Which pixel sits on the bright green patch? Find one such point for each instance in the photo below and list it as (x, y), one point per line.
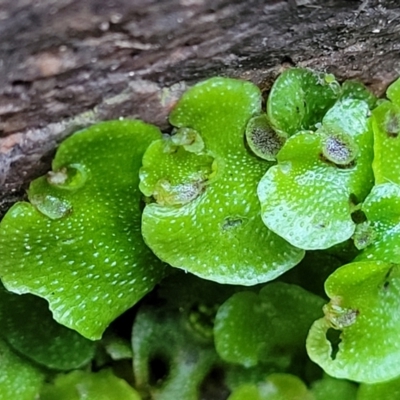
(180, 178)
(275, 387)
(81, 385)
(383, 391)
(79, 245)
(358, 338)
(27, 325)
(307, 197)
(270, 327)
(382, 209)
(334, 389)
(393, 92)
(19, 379)
(357, 90)
(206, 210)
(385, 123)
(300, 98)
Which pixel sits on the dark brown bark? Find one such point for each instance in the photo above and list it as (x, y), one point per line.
(65, 64)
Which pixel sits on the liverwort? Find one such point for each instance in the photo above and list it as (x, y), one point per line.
(383, 391)
(277, 386)
(170, 360)
(385, 122)
(381, 233)
(172, 341)
(393, 92)
(28, 326)
(356, 90)
(269, 327)
(82, 385)
(203, 214)
(299, 99)
(338, 148)
(378, 236)
(19, 379)
(262, 139)
(334, 389)
(307, 197)
(78, 242)
(358, 337)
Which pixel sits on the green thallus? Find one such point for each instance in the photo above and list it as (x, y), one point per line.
(235, 195)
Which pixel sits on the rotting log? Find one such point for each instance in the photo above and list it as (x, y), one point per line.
(65, 64)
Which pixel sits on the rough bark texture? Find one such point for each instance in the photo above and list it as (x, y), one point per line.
(65, 64)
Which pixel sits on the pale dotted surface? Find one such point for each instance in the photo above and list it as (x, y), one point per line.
(393, 92)
(356, 90)
(281, 312)
(198, 236)
(37, 336)
(307, 200)
(178, 179)
(18, 378)
(66, 260)
(373, 289)
(386, 164)
(299, 98)
(382, 208)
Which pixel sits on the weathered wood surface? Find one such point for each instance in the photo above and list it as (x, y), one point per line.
(65, 64)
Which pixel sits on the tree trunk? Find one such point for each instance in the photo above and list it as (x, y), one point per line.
(65, 64)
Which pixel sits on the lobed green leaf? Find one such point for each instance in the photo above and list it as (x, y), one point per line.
(276, 386)
(382, 209)
(78, 243)
(393, 92)
(334, 389)
(28, 326)
(385, 123)
(306, 198)
(270, 327)
(358, 338)
(214, 212)
(299, 99)
(81, 385)
(19, 379)
(356, 90)
(383, 391)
